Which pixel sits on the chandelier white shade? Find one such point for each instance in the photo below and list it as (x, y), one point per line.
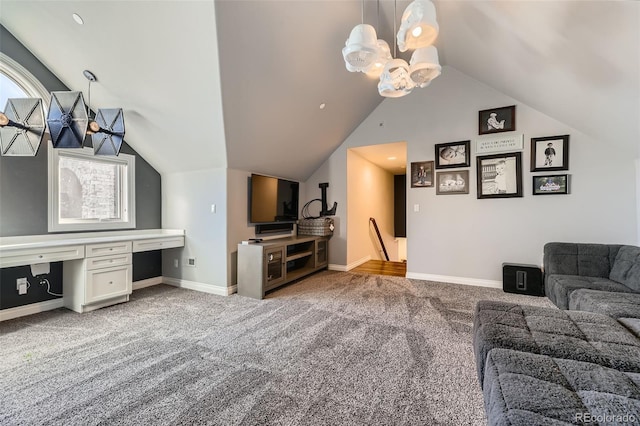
(363, 52)
(418, 27)
(424, 66)
(382, 57)
(361, 48)
(395, 80)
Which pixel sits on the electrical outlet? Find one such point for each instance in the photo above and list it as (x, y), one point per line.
(22, 286)
(175, 263)
(190, 261)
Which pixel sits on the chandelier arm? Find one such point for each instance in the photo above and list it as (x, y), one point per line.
(395, 36)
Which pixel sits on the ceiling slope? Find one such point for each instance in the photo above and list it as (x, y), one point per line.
(155, 59)
(175, 66)
(576, 61)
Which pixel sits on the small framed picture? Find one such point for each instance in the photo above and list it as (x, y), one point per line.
(500, 175)
(422, 174)
(497, 120)
(452, 182)
(550, 184)
(453, 154)
(550, 153)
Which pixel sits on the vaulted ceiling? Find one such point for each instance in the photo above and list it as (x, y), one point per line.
(239, 84)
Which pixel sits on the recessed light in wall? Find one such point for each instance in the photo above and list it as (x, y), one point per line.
(323, 105)
(391, 158)
(78, 19)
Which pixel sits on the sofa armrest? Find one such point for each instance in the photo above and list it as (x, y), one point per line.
(582, 259)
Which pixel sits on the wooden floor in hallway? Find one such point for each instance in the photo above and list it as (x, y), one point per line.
(381, 267)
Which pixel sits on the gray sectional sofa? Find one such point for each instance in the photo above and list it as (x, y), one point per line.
(610, 271)
(579, 364)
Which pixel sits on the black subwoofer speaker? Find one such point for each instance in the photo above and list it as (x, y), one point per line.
(522, 279)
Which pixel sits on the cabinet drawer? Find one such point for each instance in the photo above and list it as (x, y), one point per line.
(106, 283)
(19, 257)
(108, 248)
(106, 261)
(157, 243)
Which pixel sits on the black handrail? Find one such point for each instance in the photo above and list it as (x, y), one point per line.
(375, 225)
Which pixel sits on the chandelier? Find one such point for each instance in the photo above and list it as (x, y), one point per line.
(23, 125)
(364, 52)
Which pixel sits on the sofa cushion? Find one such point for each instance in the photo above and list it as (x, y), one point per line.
(524, 388)
(626, 268)
(558, 288)
(585, 259)
(577, 335)
(614, 304)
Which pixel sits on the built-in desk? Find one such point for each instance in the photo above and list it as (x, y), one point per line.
(97, 266)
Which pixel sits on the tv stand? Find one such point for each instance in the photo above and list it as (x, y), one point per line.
(268, 265)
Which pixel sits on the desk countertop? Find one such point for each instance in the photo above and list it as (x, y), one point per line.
(67, 239)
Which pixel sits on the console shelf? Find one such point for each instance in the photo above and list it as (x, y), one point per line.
(268, 265)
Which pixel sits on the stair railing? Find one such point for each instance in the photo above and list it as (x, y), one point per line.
(375, 226)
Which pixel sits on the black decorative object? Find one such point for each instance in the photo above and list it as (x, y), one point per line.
(496, 120)
(22, 127)
(107, 140)
(67, 119)
(499, 175)
(550, 153)
(453, 154)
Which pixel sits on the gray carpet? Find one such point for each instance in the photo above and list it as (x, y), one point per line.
(336, 348)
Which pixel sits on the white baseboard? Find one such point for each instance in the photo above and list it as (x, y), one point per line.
(346, 268)
(32, 308)
(137, 285)
(205, 288)
(455, 280)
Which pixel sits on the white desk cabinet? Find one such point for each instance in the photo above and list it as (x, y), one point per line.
(97, 267)
(102, 278)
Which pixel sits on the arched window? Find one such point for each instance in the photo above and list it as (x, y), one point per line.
(17, 82)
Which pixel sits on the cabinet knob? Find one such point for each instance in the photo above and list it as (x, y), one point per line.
(110, 282)
(110, 248)
(40, 256)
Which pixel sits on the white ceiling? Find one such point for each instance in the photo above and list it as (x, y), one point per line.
(240, 86)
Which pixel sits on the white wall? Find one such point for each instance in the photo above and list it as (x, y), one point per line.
(186, 204)
(369, 194)
(334, 172)
(460, 238)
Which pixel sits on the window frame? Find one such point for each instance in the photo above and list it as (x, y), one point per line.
(127, 192)
(23, 78)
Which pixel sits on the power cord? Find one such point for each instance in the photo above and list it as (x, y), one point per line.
(44, 281)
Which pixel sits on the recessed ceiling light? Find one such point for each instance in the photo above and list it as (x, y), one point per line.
(78, 19)
(323, 105)
(391, 158)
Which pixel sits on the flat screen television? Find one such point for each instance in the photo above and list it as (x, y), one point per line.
(272, 200)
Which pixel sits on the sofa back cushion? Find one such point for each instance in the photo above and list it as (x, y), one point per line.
(626, 268)
(584, 259)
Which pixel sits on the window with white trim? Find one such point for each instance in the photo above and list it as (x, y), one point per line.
(88, 192)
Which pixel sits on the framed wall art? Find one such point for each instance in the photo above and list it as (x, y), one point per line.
(550, 184)
(550, 153)
(422, 174)
(453, 154)
(452, 182)
(497, 120)
(499, 175)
